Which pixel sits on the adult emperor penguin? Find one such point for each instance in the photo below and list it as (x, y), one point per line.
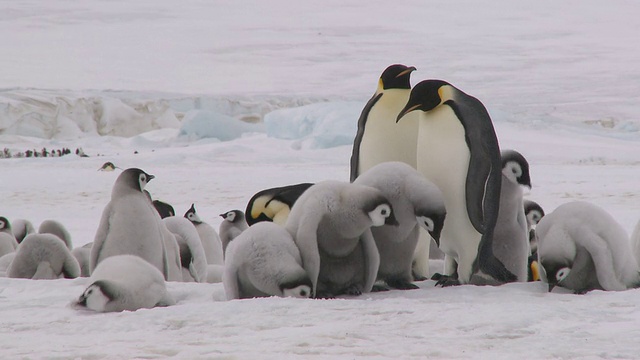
(458, 151)
(264, 261)
(331, 224)
(193, 259)
(511, 238)
(416, 203)
(379, 138)
(234, 224)
(56, 228)
(8, 242)
(130, 224)
(43, 256)
(581, 247)
(208, 236)
(274, 204)
(124, 283)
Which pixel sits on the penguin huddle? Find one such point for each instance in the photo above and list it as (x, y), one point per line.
(425, 165)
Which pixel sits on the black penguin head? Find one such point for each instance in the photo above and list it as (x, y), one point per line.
(5, 225)
(300, 288)
(192, 216)
(165, 210)
(233, 216)
(433, 222)
(556, 272)
(425, 96)
(515, 167)
(533, 211)
(135, 178)
(396, 76)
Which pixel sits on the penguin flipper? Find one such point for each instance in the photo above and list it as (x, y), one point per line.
(101, 236)
(355, 153)
(372, 260)
(306, 239)
(489, 264)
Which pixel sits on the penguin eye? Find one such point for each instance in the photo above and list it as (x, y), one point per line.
(143, 178)
(562, 274)
(1, 224)
(303, 293)
(385, 210)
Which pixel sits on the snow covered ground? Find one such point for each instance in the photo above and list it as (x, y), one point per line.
(170, 82)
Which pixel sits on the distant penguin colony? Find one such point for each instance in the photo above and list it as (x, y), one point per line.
(425, 165)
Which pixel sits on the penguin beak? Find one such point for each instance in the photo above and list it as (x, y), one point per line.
(407, 110)
(391, 220)
(409, 70)
(552, 285)
(222, 215)
(149, 177)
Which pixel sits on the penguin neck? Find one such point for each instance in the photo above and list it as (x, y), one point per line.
(123, 190)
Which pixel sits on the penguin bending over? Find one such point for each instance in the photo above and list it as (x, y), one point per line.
(124, 283)
(379, 138)
(331, 224)
(21, 228)
(458, 151)
(511, 238)
(264, 261)
(43, 256)
(234, 224)
(56, 228)
(130, 224)
(208, 236)
(193, 259)
(416, 203)
(274, 204)
(581, 247)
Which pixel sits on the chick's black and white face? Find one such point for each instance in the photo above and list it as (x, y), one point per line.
(3, 224)
(302, 291)
(143, 180)
(93, 298)
(426, 223)
(513, 171)
(380, 214)
(533, 217)
(231, 216)
(193, 217)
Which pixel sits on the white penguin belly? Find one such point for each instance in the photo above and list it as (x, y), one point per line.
(384, 139)
(443, 157)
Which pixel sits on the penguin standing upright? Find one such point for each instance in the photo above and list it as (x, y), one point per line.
(458, 151)
(130, 224)
(379, 138)
(511, 238)
(208, 236)
(234, 224)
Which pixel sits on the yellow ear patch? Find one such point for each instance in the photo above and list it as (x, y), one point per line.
(535, 271)
(258, 206)
(445, 92)
(380, 86)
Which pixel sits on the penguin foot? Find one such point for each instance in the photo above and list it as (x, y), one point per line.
(402, 284)
(353, 290)
(436, 276)
(380, 288)
(580, 292)
(325, 295)
(447, 280)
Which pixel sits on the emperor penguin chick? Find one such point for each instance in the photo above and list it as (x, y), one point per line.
(56, 228)
(234, 224)
(208, 236)
(43, 256)
(8, 242)
(331, 224)
(416, 203)
(511, 238)
(124, 283)
(193, 259)
(581, 247)
(130, 224)
(264, 261)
